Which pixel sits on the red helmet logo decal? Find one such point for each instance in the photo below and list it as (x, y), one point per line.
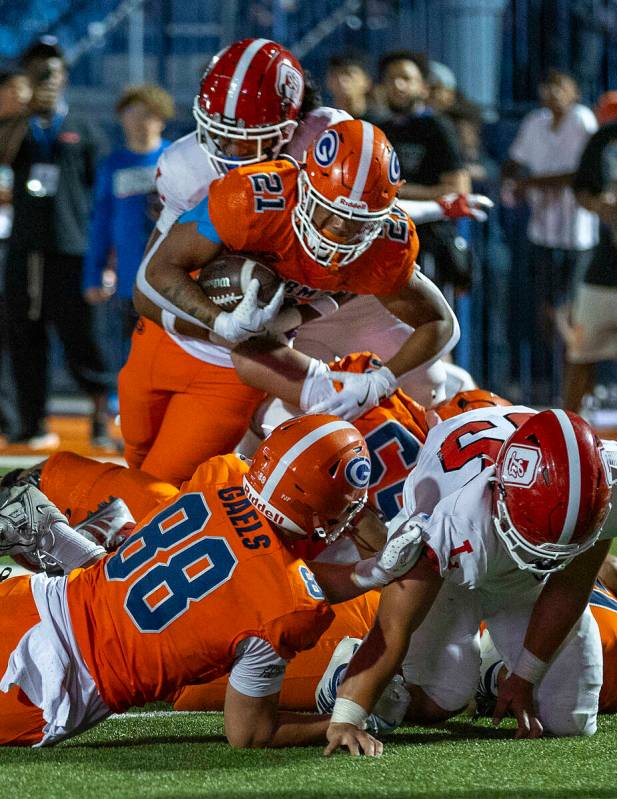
(290, 83)
(521, 465)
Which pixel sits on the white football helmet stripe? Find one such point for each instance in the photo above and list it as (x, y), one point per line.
(574, 477)
(298, 448)
(359, 185)
(237, 79)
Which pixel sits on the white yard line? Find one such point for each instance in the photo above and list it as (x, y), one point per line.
(152, 714)
(25, 461)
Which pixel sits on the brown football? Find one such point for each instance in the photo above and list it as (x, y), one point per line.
(225, 280)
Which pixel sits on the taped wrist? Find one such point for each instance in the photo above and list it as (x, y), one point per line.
(348, 712)
(529, 667)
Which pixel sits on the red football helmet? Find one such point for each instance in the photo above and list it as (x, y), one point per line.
(552, 493)
(251, 92)
(468, 401)
(310, 475)
(348, 184)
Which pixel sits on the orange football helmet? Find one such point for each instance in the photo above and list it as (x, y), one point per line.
(310, 475)
(468, 401)
(348, 184)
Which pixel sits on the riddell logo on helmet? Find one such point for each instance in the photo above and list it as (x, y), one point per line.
(355, 205)
(521, 465)
(261, 506)
(290, 83)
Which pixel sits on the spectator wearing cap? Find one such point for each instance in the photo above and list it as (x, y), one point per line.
(543, 161)
(54, 170)
(594, 333)
(125, 204)
(442, 86)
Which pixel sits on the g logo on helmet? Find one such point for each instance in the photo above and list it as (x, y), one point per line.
(358, 472)
(394, 169)
(520, 465)
(326, 148)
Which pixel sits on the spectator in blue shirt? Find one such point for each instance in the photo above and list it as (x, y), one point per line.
(126, 204)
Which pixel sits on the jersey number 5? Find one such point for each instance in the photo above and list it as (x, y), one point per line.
(164, 591)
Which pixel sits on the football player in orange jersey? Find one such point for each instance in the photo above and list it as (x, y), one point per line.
(327, 227)
(156, 614)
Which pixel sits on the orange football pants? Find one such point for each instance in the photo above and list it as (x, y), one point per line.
(77, 485)
(21, 722)
(353, 618)
(177, 411)
(607, 622)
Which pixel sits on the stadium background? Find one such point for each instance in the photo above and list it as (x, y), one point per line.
(498, 50)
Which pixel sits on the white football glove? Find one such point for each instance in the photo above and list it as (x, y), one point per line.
(398, 555)
(248, 319)
(360, 392)
(459, 206)
(317, 386)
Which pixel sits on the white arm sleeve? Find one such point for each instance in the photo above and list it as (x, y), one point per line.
(422, 211)
(257, 669)
(142, 283)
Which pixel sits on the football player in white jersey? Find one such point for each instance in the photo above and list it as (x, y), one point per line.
(501, 521)
(187, 168)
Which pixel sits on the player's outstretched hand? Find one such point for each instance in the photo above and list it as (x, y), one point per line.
(516, 696)
(459, 206)
(398, 555)
(360, 392)
(357, 741)
(248, 319)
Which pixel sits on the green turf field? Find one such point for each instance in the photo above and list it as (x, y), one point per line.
(184, 755)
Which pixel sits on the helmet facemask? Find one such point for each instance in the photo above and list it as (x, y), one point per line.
(324, 250)
(539, 559)
(212, 134)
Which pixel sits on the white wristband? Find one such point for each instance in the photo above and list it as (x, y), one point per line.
(346, 711)
(529, 667)
(168, 321)
(324, 305)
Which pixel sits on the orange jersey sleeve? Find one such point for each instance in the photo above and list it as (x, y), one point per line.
(603, 604)
(395, 431)
(198, 575)
(252, 204)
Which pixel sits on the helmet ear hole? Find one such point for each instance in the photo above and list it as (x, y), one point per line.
(333, 468)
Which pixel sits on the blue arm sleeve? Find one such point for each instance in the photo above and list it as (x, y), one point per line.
(99, 233)
(201, 215)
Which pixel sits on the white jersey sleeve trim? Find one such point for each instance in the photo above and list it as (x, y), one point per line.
(257, 670)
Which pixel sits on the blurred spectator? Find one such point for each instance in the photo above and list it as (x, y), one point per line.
(125, 206)
(543, 160)
(350, 86)
(431, 161)
(54, 172)
(15, 94)
(442, 87)
(594, 335)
